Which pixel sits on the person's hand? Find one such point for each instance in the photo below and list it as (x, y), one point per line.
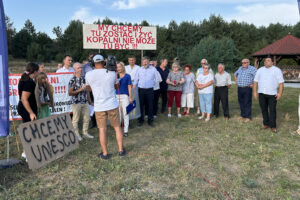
(83, 87)
(255, 95)
(130, 100)
(278, 96)
(134, 86)
(251, 85)
(32, 116)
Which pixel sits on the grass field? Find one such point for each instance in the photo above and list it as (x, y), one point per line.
(170, 161)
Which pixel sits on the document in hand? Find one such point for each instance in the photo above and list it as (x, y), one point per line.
(130, 107)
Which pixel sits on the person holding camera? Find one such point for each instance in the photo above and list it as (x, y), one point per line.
(80, 99)
(103, 82)
(145, 79)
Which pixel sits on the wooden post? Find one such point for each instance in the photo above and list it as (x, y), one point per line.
(255, 62)
(274, 60)
(142, 55)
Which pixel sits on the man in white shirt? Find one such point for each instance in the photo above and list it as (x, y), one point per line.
(132, 68)
(67, 65)
(223, 83)
(103, 83)
(267, 79)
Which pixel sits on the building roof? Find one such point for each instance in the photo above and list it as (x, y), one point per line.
(289, 45)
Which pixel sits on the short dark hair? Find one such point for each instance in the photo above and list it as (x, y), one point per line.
(131, 56)
(188, 66)
(67, 55)
(145, 58)
(269, 56)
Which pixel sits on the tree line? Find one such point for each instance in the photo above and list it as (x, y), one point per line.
(214, 39)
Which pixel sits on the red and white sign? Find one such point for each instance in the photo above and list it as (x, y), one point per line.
(101, 36)
(60, 84)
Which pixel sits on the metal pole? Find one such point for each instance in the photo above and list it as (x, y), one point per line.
(232, 50)
(7, 139)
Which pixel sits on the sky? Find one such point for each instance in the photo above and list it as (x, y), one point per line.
(46, 14)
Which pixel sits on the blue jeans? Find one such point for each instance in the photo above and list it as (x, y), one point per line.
(206, 102)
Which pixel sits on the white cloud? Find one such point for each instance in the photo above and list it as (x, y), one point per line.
(264, 14)
(132, 4)
(83, 14)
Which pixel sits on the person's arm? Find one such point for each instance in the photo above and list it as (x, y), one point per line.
(89, 98)
(280, 91)
(130, 93)
(207, 84)
(255, 90)
(73, 92)
(253, 72)
(181, 79)
(136, 78)
(229, 81)
(25, 102)
(89, 89)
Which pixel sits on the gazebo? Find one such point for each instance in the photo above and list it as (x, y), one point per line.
(287, 47)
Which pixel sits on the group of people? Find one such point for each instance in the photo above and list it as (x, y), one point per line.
(110, 92)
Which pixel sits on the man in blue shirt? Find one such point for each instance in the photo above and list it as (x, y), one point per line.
(144, 79)
(244, 78)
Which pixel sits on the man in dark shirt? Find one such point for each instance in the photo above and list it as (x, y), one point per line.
(164, 72)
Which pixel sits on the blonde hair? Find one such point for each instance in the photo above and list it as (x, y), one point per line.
(122, 65)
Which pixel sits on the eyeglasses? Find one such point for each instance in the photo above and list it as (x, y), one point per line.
(203, 63)
(244, 62)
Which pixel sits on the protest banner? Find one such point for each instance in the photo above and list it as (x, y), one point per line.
(59, 82)
(47, 139)
(101, 36)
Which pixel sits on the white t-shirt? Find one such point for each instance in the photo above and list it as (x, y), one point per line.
(203, 79)
(64, 69)
(268, 80)
(131, 71)
(102, 83)
(156, 84)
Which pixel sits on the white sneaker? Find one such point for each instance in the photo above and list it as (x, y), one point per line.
(24, 156)
(154, 116)
(200, 117)
(146, 116)
(88, 136)
(169, 115)
(207, 119)
(178, 115)
(79, 137)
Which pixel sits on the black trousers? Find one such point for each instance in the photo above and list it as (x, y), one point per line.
(146, 97)
(245, 101)
(155, 101)
(221, 94)
(268, 108)
(164, 99)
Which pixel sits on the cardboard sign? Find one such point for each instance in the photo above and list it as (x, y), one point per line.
(48, 139)
(101, 36)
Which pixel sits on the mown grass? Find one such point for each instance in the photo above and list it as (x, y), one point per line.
(167, 162)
